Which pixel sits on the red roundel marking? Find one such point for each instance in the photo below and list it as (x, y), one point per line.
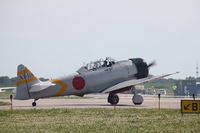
(78, 83)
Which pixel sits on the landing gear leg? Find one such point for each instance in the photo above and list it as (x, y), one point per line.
(113, 99)
(34, 103)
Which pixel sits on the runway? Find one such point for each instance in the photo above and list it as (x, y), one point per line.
(95, 101)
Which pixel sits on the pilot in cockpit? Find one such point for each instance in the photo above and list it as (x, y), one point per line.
(107, 63)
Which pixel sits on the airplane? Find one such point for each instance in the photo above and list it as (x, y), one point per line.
(101, 76)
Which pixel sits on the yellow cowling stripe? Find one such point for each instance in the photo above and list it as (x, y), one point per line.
(26, 81)
(63, 86)
(23, 72)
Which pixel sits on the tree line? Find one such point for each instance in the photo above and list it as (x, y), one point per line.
(5, 81)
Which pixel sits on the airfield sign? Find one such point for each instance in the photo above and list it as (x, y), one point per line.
(190, 106)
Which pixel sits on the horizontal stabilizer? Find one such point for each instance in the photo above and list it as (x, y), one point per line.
(41, 86)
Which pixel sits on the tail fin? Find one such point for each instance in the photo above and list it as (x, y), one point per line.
(25, 79)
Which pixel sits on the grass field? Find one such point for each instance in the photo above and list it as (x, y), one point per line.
(4, 103)
(98, 120)
(6, 95)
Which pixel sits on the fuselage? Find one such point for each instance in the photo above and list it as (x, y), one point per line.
(93, 80)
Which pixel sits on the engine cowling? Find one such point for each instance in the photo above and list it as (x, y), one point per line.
(142, 68)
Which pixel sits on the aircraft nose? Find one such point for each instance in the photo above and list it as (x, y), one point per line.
(142, 68)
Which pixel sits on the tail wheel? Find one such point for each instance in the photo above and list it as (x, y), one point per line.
(113, 99)
(34, 104)
(137, 99)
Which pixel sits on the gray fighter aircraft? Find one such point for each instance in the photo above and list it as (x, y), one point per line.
(101, 76)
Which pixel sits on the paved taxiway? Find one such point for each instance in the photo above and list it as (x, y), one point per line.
(95, 101)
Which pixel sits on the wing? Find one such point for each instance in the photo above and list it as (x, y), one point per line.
(134, 82)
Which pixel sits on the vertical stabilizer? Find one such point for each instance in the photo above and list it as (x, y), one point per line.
(25, 80)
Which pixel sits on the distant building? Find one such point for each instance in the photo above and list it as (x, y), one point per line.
(187, 88)
(198, 88)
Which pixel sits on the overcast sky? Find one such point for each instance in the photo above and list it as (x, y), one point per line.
(55, 37)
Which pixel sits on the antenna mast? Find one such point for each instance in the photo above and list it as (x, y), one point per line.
(197, 70)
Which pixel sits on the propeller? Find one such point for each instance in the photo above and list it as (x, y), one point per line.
(153, 63)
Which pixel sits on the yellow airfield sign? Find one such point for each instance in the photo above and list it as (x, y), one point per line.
(190, 106)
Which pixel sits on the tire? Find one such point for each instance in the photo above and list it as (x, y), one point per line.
(34, 104)
(137, 99)
(113, 99)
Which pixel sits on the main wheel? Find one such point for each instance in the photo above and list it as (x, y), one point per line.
(113, 99)
(137, 99)
(34, 104)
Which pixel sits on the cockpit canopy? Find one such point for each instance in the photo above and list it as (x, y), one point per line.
(108, 62)
(95, 65)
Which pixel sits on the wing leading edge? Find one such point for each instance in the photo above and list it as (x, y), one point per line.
(134, 82)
